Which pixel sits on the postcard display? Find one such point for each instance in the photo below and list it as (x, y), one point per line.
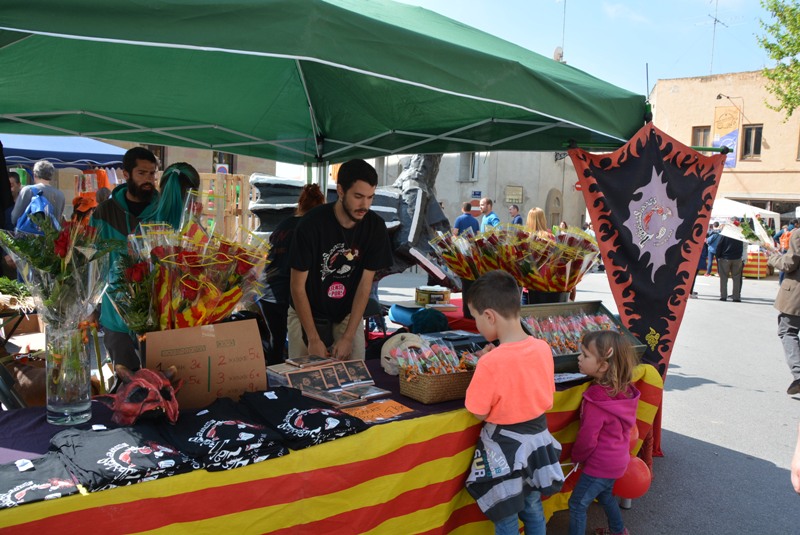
(338, 383)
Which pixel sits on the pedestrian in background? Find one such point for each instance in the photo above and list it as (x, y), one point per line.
(513, 211)
(465, 220)
(489, 219)
(730, 264)
(788, 304)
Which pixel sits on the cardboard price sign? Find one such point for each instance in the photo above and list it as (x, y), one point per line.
(214, 361)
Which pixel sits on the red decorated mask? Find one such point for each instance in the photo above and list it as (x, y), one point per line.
(144, 394)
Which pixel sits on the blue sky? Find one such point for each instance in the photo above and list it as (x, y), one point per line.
(618, 41)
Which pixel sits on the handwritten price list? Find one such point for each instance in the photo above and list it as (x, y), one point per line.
(226, 362)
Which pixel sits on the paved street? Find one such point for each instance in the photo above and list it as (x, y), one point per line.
(728, 426)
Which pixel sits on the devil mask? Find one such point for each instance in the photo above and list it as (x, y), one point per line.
(144, 394)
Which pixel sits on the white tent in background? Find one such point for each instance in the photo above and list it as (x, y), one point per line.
(726, 209)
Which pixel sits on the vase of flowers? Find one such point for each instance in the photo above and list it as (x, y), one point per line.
(68, 376)
(66, 269)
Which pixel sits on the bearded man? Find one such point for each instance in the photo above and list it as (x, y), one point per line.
(130, 203)
(336, 250)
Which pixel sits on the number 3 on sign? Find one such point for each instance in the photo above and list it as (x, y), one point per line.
(220, 378)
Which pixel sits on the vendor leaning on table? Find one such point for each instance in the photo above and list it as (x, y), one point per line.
(336, 250)
(137, 201)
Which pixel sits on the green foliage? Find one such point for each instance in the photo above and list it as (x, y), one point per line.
(14, 288)
(782, 44)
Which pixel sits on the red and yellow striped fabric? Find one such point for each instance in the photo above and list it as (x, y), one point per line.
(401, 477)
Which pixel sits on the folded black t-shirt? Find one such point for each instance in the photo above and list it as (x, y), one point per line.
(302, 422)
(222, 436)
(48, 479)
(117, 457)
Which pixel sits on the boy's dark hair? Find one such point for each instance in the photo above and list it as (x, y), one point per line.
(496, 290)
(353, 170)
(466, 207)
(137, 153)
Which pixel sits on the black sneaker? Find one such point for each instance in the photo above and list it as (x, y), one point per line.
(794, 388)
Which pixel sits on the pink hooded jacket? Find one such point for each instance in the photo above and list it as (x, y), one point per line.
(603, 441)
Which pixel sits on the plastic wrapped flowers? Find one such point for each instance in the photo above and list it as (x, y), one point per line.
(541, 264)
(171, 280)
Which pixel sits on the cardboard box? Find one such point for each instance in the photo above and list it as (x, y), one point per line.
(214, 361)
(568, 363)
(28, 324)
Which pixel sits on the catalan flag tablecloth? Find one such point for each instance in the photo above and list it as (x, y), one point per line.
(401, 477)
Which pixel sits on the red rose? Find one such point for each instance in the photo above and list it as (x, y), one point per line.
(188, 293)
(61, 245)
(158, 252)
(137, 272)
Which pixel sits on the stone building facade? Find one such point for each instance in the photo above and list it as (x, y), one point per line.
(764, 169)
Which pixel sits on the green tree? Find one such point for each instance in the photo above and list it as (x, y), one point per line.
(782, 43)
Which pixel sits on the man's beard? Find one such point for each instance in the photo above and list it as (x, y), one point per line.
(351, 213)
(142, 194)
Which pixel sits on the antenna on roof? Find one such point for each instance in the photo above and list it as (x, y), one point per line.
(714, 34)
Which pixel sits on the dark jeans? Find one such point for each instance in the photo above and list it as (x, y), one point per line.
(275, 315)
(587, 489)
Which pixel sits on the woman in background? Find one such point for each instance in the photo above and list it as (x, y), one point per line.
(537, 224)
(274, 303)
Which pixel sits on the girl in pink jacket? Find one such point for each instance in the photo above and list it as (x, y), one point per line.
(608, 413)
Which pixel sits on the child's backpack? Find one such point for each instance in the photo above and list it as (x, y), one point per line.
(39, 203)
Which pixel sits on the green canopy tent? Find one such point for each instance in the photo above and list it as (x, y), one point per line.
(298, 81)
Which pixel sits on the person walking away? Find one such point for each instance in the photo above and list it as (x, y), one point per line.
(516, 458)
(465, 221)
(43, 173)
(513, 211)
(274, 302)
(489, 219)
(336, 250)
(608, 414)
(787, 303)
(730, 265)
(712, 238)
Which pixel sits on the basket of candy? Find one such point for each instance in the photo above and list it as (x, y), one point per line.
(435, 373)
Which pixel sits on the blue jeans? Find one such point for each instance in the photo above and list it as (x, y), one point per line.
(532, 517)
(587, 489)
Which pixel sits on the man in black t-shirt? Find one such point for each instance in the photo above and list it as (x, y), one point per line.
(336, 250)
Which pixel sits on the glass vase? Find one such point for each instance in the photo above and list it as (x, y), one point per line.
(69, 370)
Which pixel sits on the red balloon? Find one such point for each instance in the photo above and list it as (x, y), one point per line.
(635, 482)
(634, 438)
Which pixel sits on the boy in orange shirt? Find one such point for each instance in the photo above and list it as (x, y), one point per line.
(516, 459)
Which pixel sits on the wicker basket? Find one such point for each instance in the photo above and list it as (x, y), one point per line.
(436, 388)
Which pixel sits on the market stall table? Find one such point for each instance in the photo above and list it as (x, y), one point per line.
(401, 477)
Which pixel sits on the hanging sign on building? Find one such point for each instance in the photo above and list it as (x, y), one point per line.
(726, 131)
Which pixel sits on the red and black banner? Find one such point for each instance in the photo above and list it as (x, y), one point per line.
(650, 203)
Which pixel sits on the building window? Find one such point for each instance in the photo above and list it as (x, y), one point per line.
(751, 144)
(223, 159)
(701, 136)
(160, 152)
(467, 167)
